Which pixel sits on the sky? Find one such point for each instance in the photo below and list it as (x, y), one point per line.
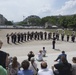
(17, 10)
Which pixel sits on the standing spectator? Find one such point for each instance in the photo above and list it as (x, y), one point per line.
(59, 57)
(14, 67)
(25, 65)
(44, 52)
(40, 56)
(3, 71)
(30, 54)
(74, 66)
(3, 57)
(63, 68)
(44, 70)
(33, 66)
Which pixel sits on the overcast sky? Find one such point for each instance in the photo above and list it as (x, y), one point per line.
(14, 10)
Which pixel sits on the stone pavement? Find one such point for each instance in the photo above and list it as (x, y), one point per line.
(50, 58)
(22, 50)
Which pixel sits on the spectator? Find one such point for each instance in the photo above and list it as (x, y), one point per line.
(3, 71)
(10, 59)
(25, 65)
(30, 54)
(44, 70)
(44, 52)
(33, 66)
(59, 57)
(40, 56)
(14, 67)
(74, 66)
(3, 57)
(63, 68)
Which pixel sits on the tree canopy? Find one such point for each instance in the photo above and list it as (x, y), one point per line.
(65, 21)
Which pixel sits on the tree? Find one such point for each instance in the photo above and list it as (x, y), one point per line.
(8, 23)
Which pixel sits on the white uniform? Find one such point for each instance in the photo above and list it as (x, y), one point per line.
(45, 72)
(40, 56)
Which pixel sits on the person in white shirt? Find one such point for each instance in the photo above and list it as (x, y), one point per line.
(44, 52)
(40, 56)
(33, 65)
(44, 70)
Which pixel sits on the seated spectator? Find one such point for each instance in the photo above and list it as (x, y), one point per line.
(40, 56)
(74, 66)
(59, 57)
(25, 65)
(30, 54)
(14, 67)
(44, 52)
(3, 57)
(3, 71)
(10, 59)
(33, 66)
(63, 68)
(44, 70)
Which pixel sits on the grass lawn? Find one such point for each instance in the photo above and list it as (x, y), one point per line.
(61, 31)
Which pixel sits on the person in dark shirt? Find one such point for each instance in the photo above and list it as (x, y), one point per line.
(63, 68)
(30, 54)
(67, 37)
(3, 56)
(53, 42)
(8, 38)
(59, 57)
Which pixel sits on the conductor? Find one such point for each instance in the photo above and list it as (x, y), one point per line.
(53, 42)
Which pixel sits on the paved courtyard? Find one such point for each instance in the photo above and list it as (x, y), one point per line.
(21, 50)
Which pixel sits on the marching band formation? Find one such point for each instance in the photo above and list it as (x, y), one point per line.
(27, 36)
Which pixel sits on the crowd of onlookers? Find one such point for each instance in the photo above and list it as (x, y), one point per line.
(11, 66)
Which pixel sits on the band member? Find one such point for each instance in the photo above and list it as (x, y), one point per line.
(62, 37)
(53, 34)
(8, 38)
(21, 37)
(45, 35)
(73, 37)
(24, 36)
(12, 37)
(49, 36)
(18, 35)
(68, 37)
